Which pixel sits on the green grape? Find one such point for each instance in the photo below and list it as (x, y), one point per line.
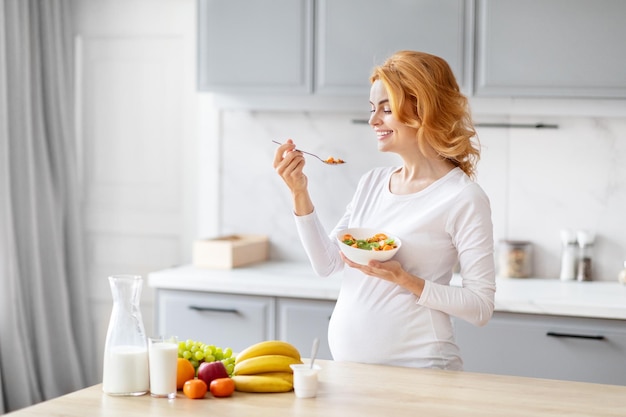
(197, 352)
(230, 368)
(228, 352)
(219, 355)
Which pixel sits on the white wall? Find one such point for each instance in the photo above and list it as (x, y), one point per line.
(136, 128)
(539, 180)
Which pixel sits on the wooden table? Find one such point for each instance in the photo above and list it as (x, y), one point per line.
(358, 390)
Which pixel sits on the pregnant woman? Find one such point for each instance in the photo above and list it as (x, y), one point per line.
(399, 312)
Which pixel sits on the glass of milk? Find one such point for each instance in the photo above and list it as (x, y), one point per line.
(305, 380)
(163, 360)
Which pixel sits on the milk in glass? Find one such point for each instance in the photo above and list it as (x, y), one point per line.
(163, 359)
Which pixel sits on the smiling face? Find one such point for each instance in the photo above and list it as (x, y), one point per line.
(393, 135)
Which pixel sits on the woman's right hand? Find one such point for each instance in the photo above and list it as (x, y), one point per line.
(289, 164)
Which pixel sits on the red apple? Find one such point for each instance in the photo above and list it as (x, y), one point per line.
(208, 371)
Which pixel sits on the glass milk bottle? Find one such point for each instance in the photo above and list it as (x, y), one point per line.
(125, 370)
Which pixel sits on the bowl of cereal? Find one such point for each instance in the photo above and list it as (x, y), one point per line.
(360, 244)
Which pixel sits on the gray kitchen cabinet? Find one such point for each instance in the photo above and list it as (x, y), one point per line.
(321, 46)
(354, 35)
(238, 321)
(255, 46)
(225, 320)
(550, 48)
(299, 321)
(542, 346)
(496, 48)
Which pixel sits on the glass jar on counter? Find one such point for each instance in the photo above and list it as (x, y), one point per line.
(514, 259)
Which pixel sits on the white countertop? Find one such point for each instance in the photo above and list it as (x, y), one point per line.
(282, 279)
(296, 279)
(601, 299)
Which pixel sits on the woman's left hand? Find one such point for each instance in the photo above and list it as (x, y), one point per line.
(389, 271)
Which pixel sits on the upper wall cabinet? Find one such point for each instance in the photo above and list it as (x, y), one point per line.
(551, 48)
(325, 47)
(352, 36)
(255, 46)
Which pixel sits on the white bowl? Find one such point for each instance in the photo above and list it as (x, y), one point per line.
(363, 256)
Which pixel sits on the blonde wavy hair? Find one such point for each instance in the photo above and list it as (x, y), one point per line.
(424, 94)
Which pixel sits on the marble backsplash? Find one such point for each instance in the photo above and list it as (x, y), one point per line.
(539, 180)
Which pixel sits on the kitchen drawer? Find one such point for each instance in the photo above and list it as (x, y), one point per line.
(555, 347)
(300, 321)
(225, 320)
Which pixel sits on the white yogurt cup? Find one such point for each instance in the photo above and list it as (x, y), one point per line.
(305, 380)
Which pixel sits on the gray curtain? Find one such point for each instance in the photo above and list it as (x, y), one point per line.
(45, 321)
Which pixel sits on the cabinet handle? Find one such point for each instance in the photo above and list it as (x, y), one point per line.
(518, 125)
(576, 336)
(215, 309)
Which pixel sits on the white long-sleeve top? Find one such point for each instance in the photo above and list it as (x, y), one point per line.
(376, 321)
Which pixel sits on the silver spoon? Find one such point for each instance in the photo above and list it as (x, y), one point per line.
(328, 161)
(316, 344)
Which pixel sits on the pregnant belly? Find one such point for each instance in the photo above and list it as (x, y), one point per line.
(397, 331)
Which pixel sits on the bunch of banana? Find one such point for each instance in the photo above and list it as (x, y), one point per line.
(264, 367)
